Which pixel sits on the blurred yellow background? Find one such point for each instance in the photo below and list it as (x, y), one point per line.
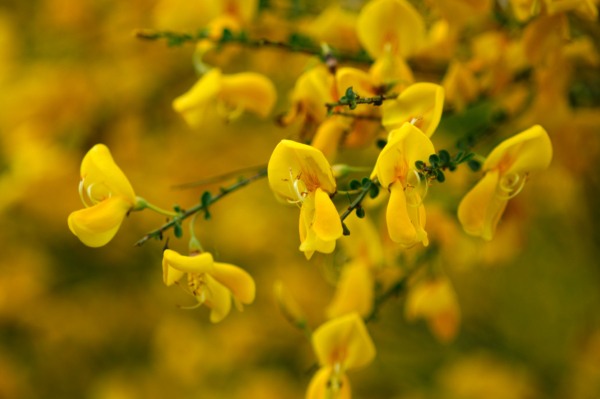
(79, 322)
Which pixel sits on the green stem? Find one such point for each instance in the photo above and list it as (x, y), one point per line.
(357, 116)
(143, 204)
(377, 100)
(365, 190)
(178, 38)
(182, 216)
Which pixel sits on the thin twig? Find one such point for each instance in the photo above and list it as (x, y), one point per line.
(377, 100)
(218, 178)
(357, 116)
(365, 190)
(178, 38)
(201, 206)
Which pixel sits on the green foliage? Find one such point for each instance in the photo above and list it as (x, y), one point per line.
(178, 230)
(360, 212)
(355, 185)
(374, 191)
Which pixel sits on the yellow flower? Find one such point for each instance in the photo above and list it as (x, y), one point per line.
(460, 12)
(395, 169)
(301, 175)
(337, 27)
(212, 283)
(461, 85)
(329, 134)
(231, 94)
(420, 104)
(354, 291)
(435, 301)
(340, 344)
(312, 90)
(110, 194)
(507, 169)
(390, 25)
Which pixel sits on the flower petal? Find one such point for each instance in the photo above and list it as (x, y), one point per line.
(406, 146)
(237, 280)
(354, 292)
(421, 101)
(400, 227)
(346, 340)
(390, 69)
(480, 210)
(528, 151)
(99, 168)
(328, 136)
(320, 383)
(393, 23)
(360, 81)
(302, 159)
(327, 224)
(193, 104)
(97, 225)
(252, 91)
(201, 263)
(220, 299)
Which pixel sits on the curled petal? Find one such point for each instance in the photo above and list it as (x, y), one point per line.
(390, 23)
(480, 210)
(194, 104)
(201, 263)
(237, 280)
(97, 225)
(251, 91)
(310, 242)
(344, 340)
(99, 168)
(421, 102)
(321, 383)
(529, 151)
(220, 299)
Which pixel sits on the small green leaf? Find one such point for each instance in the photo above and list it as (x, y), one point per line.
(434, 160)
(205, 199)
(177, 208)
(355, 185)
(345, 229)
(467, 157)
(381, 144)
(227, 36)
(374, 192)
(474, 165)
(419, 165)
(458, 156)
(440, 176)
(366, 182)
(444, 157)
(452, 167)
(207, 215)
(178, 230)
(360, 212)
(350, 94)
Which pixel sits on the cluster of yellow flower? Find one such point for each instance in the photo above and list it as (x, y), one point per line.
(350, 107)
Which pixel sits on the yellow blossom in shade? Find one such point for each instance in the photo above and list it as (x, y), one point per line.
(390, 25)
(288, 306)
(584, 8)
(544, 37)
(329, 135)
(420, 104)
(312, 90)
(110, 194)
(212, 283)
(460, 85)
(435, 301)
(231, 94)
(395, 169)
(337, 27)
(507, 169)
(364, 244)
(340, 344)
(354, 291)
(460, 12)
(301, 175)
